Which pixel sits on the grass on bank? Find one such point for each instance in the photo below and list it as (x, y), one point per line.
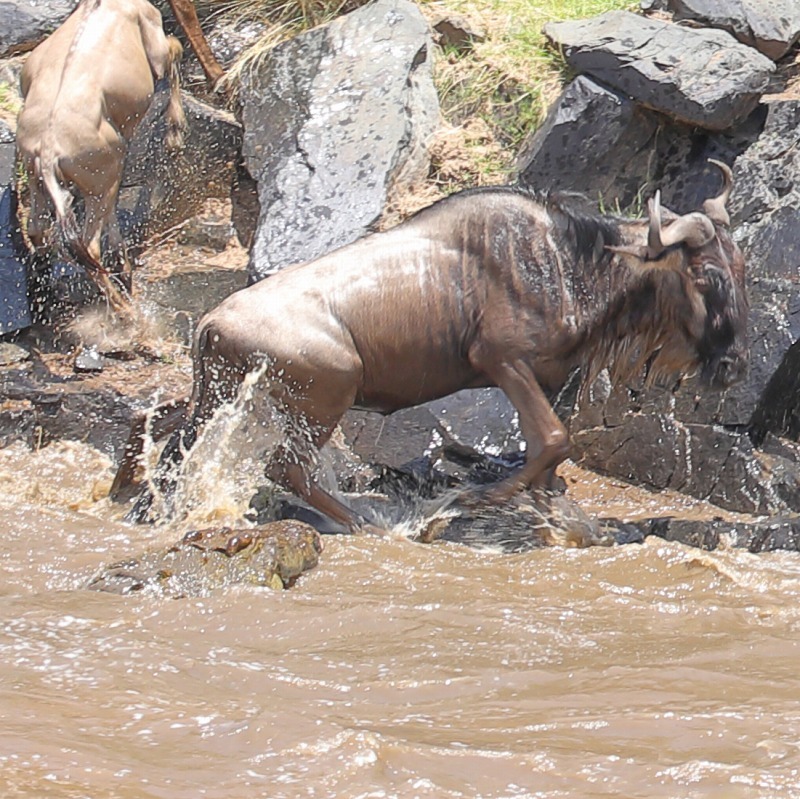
(507, 81)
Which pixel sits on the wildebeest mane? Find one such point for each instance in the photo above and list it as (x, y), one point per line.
(586, 232)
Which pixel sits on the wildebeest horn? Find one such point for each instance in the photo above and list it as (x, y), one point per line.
(715, 207)
(694, 229)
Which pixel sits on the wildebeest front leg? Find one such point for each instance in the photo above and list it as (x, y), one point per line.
(545, 436)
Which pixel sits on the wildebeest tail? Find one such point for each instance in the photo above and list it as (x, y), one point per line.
(176, 118)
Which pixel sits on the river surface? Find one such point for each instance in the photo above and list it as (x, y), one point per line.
(394, 669)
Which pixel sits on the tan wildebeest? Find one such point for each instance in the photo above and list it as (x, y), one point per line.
(85, 89)
(496, 286)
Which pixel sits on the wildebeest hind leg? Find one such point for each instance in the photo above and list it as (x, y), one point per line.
(292, 469)
(157, 423)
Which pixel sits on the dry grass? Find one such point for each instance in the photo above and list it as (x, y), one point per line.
(508, 80)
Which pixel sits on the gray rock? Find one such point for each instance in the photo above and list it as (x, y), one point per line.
(764, 536)
(704, 461)
(458, 32)
(15, 312)
(161, 189)
(89, 360)
(778, 410)
(598, 142)
(771, 26)
(332, 118)
(701, 77)
(7, 154)
(25, 23)
(482, 420)
(593, 141)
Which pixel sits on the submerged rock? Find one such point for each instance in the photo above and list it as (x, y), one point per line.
(273, 556)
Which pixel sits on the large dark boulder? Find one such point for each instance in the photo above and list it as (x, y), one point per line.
(597, 141)
(25, 23)
(771, 26)
(332, 119)
(14, 308)
(701, 77)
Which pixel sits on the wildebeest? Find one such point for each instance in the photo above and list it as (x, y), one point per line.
(488, 287)
(85, 89)
(186, 15)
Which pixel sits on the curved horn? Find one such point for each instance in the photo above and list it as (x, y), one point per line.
(655, 245)
(714, 207)
(693, 229)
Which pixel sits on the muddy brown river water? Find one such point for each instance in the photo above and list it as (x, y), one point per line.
(394, 669)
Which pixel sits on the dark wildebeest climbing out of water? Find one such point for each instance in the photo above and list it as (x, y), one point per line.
(489, 287)
(85, 89)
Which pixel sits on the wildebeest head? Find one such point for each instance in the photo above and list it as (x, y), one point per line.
(699, 275)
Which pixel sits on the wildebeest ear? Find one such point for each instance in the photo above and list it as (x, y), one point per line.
(714, 207)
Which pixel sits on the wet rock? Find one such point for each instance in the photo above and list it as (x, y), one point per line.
(12, 355)
(272, 556)
(7, 154)
(212, 232)
(25, 23)
(763, 536)
(597, 141)
(38, 411)
(771, 26)
(483, 420)
(89, 360)
(15, 312)
(161, 189)
(527, 522)
(332, 118)
(701, 77)
(704, 461)
(778, 411)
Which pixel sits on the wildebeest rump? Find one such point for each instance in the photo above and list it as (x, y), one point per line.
(489, 287)
(85, 89)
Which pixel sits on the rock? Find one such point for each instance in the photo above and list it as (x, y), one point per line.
(161, 189)
(227, 41)
(598, 142)
(25, 23)
(332, 118)
(210, 231)
(781, 532)
(701, 77)
(778, 410)
(771, 26)
(89, 360)
(15, 313)
(37, 411)
(457, 32)
(12, 354)
(273, 556)
(592, 141)
(8, 148)
(704, 461)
